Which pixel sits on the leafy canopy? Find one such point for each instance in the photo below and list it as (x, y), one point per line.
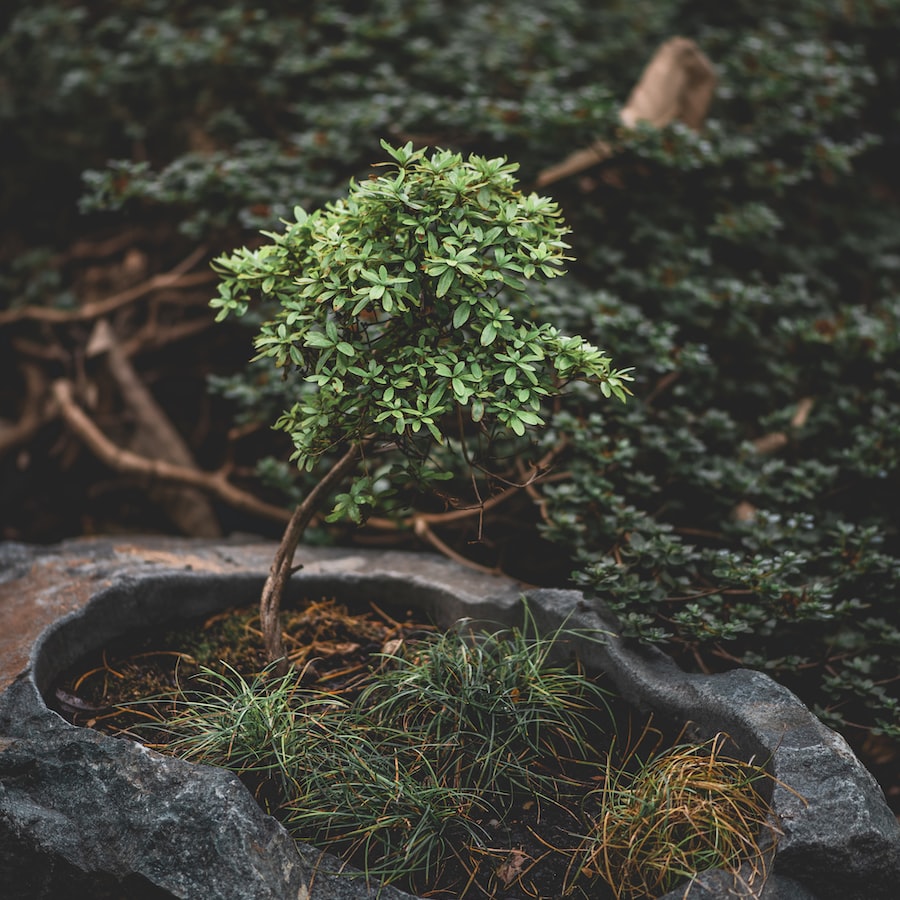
(401, 309)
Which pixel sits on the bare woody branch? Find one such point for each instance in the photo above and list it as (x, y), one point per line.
(156, 437)
(215, 483)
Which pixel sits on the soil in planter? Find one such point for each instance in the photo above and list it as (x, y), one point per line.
(526, 852)
(108, 690)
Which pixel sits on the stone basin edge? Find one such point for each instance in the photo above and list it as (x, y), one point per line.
(837, 831)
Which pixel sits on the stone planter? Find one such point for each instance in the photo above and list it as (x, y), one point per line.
(85, 815)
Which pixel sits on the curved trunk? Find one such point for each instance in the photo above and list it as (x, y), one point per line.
(283, 563)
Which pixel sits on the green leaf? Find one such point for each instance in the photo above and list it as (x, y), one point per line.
(317, 339)
(488, 333)
(444, 282)
(435, 433)
(461, 315)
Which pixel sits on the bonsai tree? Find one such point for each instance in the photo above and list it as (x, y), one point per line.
(394, 326)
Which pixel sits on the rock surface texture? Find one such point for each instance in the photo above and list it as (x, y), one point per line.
(85, 815)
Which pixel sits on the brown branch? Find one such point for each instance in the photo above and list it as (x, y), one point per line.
(52, 352)
(576, 162)
(152, 337)
(156, 437)
(97, 249)
(677, 85)
(801, 413)
(215, 483)
(775, 440)
(700, 532)
(178, 277)
(661, 386)
(701, 663)
(772, 443)
(423, 530)
(466, 512)
(531, 489)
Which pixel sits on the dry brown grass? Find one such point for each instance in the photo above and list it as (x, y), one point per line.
(686, 810)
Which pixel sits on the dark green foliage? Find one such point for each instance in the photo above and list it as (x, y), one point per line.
(748, 273)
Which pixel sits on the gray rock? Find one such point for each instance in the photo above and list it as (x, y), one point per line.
(82, 814)
(72, 798)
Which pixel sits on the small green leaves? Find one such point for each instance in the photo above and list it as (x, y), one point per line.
(352, 504)
(402, 155)
(391, 318)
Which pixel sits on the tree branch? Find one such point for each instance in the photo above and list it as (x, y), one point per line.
(423, 530)
(455, 515)
(157, 438)
(122, 460)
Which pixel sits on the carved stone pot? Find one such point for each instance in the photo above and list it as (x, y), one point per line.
(86, 815)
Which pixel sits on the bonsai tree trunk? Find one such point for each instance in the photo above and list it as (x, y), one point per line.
(282, 564)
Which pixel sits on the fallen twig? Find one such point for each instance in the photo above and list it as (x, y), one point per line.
(775, 440)
(745, 511)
